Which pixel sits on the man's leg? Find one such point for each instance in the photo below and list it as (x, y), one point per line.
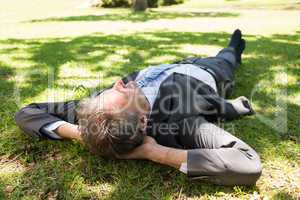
(217, 156)
(224, 63)
(233, 53)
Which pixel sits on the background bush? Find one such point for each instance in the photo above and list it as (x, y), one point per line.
(128, 3)
(152, 3)
(116, 3)
(170, 2)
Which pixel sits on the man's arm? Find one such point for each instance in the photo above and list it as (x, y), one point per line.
(34, 117)
(230, 109)
(167, 156)
(69, 131)
(150, 150)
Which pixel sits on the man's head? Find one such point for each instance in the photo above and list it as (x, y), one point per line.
(114, 122)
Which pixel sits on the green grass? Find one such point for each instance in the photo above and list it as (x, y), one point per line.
(32, 47)
(137, 17)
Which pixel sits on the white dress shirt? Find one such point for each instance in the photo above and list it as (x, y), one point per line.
(151, 90)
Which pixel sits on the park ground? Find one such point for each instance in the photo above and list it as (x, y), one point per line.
(55, 50)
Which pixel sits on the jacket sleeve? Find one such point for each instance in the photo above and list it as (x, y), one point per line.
(217, 156)
(228, 110)
(33, 117)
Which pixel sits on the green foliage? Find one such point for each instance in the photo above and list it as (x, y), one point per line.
(127, 3)
(170, 2)
(116, 3)
(153, 3)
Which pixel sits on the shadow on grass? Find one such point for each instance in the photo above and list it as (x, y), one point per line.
(137, 16)
(66, 167)
(6, 84)
(8, 101)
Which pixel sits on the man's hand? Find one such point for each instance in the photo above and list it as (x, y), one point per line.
(242, 105)
(141, 152)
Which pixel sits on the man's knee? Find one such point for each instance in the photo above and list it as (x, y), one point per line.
(248, 173)
(225, 166)
(255, 171)
(242, 167)
(233, 178)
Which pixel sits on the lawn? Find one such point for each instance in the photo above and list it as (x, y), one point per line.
(56, 50)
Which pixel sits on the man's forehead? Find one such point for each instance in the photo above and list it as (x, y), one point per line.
(109, 99)
(103, 98)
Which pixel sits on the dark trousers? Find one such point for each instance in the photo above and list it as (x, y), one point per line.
(222, 67)
(214, 154)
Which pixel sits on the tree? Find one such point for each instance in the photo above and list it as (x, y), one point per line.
(140, 5)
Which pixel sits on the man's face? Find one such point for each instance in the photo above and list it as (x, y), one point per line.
(124, 97)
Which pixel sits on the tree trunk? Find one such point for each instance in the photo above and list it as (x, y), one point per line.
(140, 5)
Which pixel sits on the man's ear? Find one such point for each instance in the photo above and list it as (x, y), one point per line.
(143, 122)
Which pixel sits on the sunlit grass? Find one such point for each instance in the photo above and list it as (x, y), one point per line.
(62, 60)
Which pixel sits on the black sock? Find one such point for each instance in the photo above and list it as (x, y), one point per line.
(235, 39)
(239, 50)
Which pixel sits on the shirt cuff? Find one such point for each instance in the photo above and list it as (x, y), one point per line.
(49, 130)
(183, 168)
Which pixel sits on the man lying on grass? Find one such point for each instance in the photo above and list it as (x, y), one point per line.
(163, 114)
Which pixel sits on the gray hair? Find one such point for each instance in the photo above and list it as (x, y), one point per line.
(107, 133)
